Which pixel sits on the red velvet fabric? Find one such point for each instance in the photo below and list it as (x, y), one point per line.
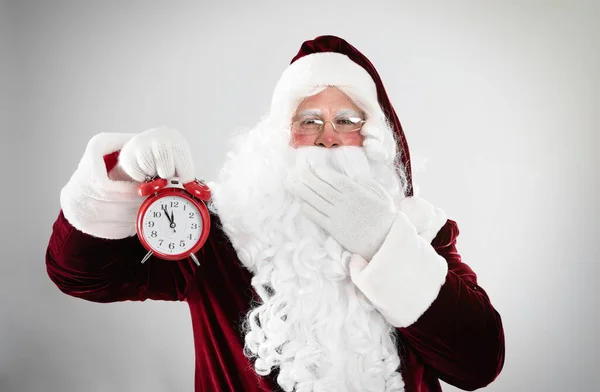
(459, 339)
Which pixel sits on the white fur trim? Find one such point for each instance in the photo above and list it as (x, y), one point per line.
(427, 219)
(95, 204)
(317, 70)
(405, 275)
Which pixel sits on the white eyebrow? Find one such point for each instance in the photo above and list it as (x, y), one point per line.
(318, 113)
(348, 113)
(309, 113)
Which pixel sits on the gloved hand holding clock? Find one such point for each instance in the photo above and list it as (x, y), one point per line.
(161, 160)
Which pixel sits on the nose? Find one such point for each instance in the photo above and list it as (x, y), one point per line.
(329, 138)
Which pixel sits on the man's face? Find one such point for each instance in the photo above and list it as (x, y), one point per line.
(329, 105)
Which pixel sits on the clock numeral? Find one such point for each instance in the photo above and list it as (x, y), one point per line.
(151, 224)
(153, 234)
(157, 214)
(192, 215)
(160, 242)
(184, 207)
(189, 236)
(175, 204)
(171, 245)
(182, 243)
(194, 226)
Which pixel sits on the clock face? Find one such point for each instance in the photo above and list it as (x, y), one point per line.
(172, 225)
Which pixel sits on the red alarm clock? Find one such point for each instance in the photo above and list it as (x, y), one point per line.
(173, 222)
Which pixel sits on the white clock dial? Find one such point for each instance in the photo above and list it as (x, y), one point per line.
(172, 225)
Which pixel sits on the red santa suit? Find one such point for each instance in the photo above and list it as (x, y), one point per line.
(446, 325)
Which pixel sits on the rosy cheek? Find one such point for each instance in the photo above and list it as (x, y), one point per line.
(353, 139)
(303, 140)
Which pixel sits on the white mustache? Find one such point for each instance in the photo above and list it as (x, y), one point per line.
(349, 160)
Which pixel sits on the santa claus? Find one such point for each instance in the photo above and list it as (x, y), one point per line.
(323, 271)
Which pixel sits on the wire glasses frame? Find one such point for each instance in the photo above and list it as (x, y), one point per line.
(316, 125)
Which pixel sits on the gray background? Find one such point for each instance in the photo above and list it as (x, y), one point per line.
(498, 100)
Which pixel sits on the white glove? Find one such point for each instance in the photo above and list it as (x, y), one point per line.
(358, 214)
(161, 152)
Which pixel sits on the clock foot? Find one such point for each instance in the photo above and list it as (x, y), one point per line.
(193, 256)
(147, 257)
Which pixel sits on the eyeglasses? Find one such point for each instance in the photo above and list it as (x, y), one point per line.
(313, 125)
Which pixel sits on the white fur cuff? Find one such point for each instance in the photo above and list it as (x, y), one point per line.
(95, 204)
(426, 218)
(405, 275)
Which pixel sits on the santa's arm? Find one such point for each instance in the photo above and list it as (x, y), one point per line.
(419, 283)
(93, 252)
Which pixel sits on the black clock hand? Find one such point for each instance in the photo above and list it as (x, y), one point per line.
(164, 208)
(171, 219)
(173, 222)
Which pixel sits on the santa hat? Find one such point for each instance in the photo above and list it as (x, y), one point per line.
(331, 61)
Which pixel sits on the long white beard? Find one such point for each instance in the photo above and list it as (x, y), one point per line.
(313, 322)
